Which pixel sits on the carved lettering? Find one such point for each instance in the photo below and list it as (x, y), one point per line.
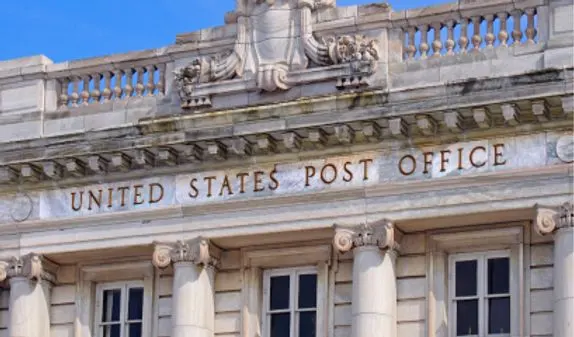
(194, 191)
(427, 161)
(209, 181)
(472, 159)
(443, 160)
(92, 199)
(413, 165)
(274, 184)
(309, 173)
(325, 177)
(138, 197)
(365, 163)
(152, 188)
(79, 206)
(498, 161)
(242, 177)
(349, 174)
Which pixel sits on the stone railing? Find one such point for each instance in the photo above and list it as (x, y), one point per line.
(110, 82)
(451, 29)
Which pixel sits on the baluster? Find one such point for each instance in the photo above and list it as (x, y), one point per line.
(139, 83)
(489, 37)
(424, 46)
(516, 32)
(463, 40)
(476, 38)
(530, 29)
(118, 74)
(75, 96)
(96, 93)
(86, 90)
(63, 98)
(437, 43)
(450, 38)
(150, 86)
(107, 92)
(503, 34)
(411, 48)
(161, 80)
(129, 89)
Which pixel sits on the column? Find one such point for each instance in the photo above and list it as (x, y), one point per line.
(374, 302)
(30, 286)
(559, 221)
(193, 297)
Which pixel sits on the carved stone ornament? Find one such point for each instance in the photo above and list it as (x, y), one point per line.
(198, 251)
(550, 219)
(380, 234)
(31, 266)
(275, 45)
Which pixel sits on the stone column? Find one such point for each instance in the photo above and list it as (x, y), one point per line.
(193, 297)
(374, 302)
(30, 286)
(559, 221)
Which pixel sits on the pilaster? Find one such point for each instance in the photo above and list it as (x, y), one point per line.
(374, 304)
(193, 299)
(30, 278)
(559, 221)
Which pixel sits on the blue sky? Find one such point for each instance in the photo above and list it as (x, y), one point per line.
(67, 30)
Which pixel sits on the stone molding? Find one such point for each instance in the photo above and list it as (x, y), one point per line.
(198, 250)
(380, 234)
(31, 266)
(550, 219)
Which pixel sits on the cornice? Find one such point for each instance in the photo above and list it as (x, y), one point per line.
(365, 119)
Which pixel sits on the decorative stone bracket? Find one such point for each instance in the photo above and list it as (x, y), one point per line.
(32, 266)
(278, 51)
(380, 234)
(549, 219)
(199, 251)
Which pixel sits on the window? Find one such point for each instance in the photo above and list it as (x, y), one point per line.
(480, 294)
(119, 309)
(290, 302)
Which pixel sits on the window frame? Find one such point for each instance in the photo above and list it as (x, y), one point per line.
(482, 288)
(90, 276)
(124, 286)
(293, 310)
(440, 244)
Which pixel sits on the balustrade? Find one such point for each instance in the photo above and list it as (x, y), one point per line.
(83, 89)
(468, 34)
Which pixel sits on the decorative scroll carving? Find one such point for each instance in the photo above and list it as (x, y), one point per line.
(31, 266)
(548, 219)
(381, 234)
(279, 41)
(199, 251)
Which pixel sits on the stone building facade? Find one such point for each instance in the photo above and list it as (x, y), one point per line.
(303, 170)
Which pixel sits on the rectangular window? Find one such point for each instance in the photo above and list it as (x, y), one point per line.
(119, 309)
(290, 308)
(480, 294)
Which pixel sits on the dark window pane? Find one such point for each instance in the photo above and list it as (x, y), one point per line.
(279, 292)
(467, 318)
(498, 276)
(280, 325)
(499, 315)
(465, 272)
(135, 304)
(112, 330)
(111, 305)
(307, 324)
(307, 291)
(135, 330)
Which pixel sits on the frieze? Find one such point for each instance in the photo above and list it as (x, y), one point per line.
(293, 178)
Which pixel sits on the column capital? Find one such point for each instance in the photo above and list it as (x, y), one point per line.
(31, 266)
(198, 250)
(380, 234)
(549, 219)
